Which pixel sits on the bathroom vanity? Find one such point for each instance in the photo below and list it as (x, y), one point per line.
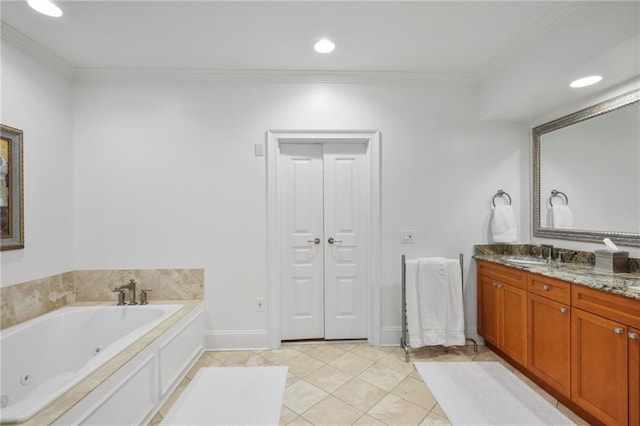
(573, 330)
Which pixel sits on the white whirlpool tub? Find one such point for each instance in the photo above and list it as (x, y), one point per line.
(43, 358)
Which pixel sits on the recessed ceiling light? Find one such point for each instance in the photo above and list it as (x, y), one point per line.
(586, 81)
(45, 7)
(324, 46)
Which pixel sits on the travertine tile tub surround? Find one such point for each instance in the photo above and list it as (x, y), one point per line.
(24, 301)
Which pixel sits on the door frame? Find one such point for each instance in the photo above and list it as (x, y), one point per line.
(372, 140)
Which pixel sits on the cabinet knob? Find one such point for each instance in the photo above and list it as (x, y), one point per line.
(545, 287)
(618, 330)
(633, 336)
(564, 310)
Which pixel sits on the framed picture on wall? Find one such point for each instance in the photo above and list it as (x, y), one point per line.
(11, 196)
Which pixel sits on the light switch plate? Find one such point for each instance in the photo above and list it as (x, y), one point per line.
(258, 150)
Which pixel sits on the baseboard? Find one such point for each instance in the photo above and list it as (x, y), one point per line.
(224, 340)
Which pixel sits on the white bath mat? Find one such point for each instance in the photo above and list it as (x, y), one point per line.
(231, 396)
(486, 393)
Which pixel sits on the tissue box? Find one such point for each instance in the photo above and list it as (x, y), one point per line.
(612, 261)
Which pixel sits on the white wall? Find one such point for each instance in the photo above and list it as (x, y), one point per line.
(166, 177)
(37, 100)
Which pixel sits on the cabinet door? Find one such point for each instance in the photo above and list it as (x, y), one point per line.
(634, 377)
(549, 342)
(599, 381)
(488, 306)
(513, 323)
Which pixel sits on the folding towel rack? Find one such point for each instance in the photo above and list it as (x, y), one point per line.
(403, 340)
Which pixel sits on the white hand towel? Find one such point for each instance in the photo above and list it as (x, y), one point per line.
(503, 225)
(433, 292)
(454, 331)
(414, 326)
(561, 217)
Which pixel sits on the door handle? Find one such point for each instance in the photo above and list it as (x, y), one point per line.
(618, 330)
(633, 336)
(564, 310)
(316, 241)
(546, 287)
(331, 240)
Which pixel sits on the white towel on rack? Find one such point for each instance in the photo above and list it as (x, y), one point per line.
(503, 225)
(561, 217)
(412, 311)
(436, 317)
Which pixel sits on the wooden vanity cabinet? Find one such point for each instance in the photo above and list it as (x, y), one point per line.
(634, 376)
(502, 309)
(549, 331)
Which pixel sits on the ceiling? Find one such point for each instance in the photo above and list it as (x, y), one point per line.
(480, 41)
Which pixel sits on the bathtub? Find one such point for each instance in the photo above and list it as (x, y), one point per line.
(43, 358)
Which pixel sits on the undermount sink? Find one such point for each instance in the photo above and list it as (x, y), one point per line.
(527, 260)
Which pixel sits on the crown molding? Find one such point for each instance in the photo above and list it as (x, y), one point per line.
(30, 47)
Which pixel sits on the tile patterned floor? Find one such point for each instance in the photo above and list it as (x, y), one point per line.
(353, 383)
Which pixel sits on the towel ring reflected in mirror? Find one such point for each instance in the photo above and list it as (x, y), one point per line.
(501, 194)
(555, 193)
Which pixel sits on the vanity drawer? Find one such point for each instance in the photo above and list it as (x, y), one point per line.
(503, 274)
(551, 288)
(608, 305)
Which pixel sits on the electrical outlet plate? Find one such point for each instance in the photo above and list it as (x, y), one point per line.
(407, 236)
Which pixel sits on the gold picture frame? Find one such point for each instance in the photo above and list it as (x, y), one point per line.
(11, 189)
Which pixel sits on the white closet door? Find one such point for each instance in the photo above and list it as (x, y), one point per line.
(301, 206)
(345, 226)
(324, 263)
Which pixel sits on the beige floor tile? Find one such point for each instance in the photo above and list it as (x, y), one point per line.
(302, 395)
(300, 421)
(300, 347)
(347, 346)
(328, 378)
(416, 392)
(396, 411)
(367, 420)
(291, 378)
(233, 358)
(463, 353)
(278, 356)
(332, 411)
(434, 419)
(326, 353)
(383, 377)
(487, 355)
(420, 354)
(371, 352)
(362, 395)
(302, 364)
(286, 416)
(206, 360)
(439, 411)
(395, 361)
(351, 363)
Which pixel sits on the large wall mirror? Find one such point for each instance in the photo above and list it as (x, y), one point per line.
(586, 182)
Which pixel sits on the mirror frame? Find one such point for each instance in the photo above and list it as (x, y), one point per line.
(587, 235)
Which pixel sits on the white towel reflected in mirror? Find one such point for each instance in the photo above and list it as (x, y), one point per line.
(561, 217)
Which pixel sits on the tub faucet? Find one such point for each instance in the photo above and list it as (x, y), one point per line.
(132, 290)
(550, 248)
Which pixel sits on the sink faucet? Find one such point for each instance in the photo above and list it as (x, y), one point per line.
(132, 290)
(550, 248)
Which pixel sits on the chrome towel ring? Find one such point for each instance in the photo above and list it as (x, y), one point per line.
(556, 193)
(500, 193)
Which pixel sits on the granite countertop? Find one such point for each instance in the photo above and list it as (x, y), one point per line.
(61, 405)
(623, 284)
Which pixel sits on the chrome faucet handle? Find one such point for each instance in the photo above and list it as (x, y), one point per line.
(143, 296)
(120, 295)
